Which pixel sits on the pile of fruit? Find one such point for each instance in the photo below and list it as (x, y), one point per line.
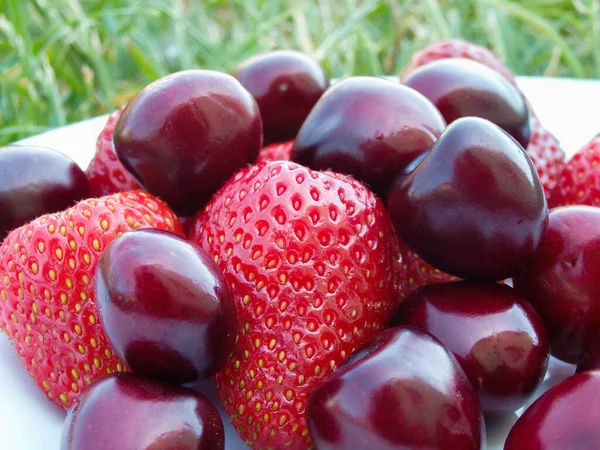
(376, 264)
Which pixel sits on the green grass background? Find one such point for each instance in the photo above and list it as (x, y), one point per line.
(65, 60)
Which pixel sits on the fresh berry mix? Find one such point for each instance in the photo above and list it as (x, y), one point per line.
(312, 259)
(579, 179)
(47, 303)
(106, 173)
(291, 273)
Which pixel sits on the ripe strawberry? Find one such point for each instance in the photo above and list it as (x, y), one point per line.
(105, 173)
(47, 305)
(579, 180)
(276, 152)
(418, 273)
(548, 157)
(457, 48)
(312, 258)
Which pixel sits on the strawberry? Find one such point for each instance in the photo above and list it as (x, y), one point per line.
(276, 152)
(312, 259)
(47, 303)
(548, 157)
(457, 48)
(105, 173)
(418, 273)
(579, 180)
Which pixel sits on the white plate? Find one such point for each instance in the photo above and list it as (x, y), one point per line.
(30, 422)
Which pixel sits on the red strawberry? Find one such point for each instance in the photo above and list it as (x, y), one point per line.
(579, 180)
(312, 258)
(47, 303)
(547, 156)
(276, 152)
(457, 48)
(418, 273)
(105, 172)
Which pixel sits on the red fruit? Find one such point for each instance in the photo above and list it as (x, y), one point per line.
(312, 259)
(105, 173)
(47, 304)
(418, 273)
(579, 179)
(457, 48)
(276, 152)
(547, 156)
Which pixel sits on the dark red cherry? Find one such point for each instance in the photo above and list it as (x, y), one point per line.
(165, 306)
(127, 412)
(591, 356)
(36, 181)
(474, 207)
(370, 128)
(184, 135)
(494, 333)
(563, 282)
(402, 391)
(565, 417)
(286, 85)
(461, 87)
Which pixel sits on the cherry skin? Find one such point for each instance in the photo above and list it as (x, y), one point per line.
(565, 417)
(165, 306)
(404, 390)
(460, 87)
(494, 333)
(563, 282)
(36, 181)
(286, 85)
(183, 136)
(591, 357)
(370, 128)
(127, 412)
(474, 207)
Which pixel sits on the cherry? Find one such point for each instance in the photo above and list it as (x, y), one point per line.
(127, 412)
(565, 417)
(404, 390)
(370, 128)
(460, 87)
(183, 136)
(286, 85)
(563, 282)
(591, 357)
(36, 181)
(165, 306)
(474, 207)
(494, 333)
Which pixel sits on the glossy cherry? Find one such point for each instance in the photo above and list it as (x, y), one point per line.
(36, 181)
(460, 87)
(165, 306)
(370, 128)
(474, 207)
(404, 390)
(127, 412)
(565, 417)
(186, 134)
(563, 282)
(494, 333)
(286, 85)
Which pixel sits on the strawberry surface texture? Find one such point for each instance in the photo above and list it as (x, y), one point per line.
(47, 305)
(105, 173)
(313, 262)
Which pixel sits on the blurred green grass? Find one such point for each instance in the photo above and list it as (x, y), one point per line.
(65, 60)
